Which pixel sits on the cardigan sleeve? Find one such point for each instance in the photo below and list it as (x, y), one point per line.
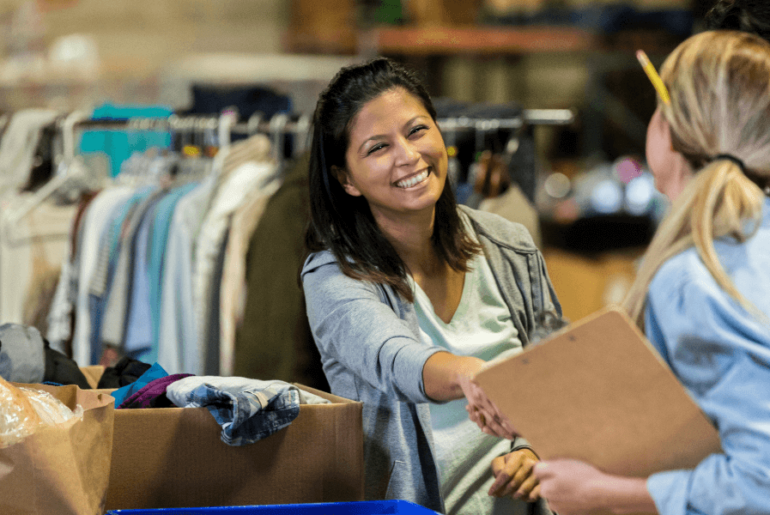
(353, 326)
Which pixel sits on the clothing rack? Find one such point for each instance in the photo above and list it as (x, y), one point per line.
(281, 126)
(300, 123)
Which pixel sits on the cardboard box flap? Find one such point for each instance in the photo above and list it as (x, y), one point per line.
(335, 399)
(599, 392)
(93, 373)
(73, 396)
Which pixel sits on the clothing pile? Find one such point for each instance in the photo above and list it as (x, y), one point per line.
(248, 410)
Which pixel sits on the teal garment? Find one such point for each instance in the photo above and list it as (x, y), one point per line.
(164, 212)
(154, 372)
(118, 145)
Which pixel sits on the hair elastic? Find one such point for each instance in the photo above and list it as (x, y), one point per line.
(753, 178)
(732, 158)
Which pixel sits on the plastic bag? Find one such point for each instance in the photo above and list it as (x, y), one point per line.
(23, 411)
(50, 409)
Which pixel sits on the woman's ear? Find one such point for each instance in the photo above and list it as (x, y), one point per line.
(342, 176)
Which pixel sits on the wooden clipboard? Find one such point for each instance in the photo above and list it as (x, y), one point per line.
(599, 392)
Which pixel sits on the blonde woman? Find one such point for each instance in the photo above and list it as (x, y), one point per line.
(703, 293)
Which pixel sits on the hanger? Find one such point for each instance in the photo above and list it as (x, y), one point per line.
(227, 119)
(278, 132)
(60, 179)
(252, 126)
(302, 134)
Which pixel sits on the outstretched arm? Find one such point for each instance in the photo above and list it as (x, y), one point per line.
(444, 374)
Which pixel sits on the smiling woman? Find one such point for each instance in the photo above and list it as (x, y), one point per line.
(396, 159)
(408, 295)
(358, 104)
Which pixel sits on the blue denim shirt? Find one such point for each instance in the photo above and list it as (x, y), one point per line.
(721, 354)
(246, 409)
(370, 345)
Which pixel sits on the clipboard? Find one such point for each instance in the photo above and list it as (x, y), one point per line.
(599, 392)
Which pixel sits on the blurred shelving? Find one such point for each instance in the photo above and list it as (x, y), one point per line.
(436, 40)
(478, 40)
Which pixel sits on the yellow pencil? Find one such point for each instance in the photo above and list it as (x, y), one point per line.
(657, 82)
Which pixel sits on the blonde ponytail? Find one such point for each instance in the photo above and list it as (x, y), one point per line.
(720, 201)
(714, 110)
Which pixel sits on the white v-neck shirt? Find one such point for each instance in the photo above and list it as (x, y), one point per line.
(481, 327)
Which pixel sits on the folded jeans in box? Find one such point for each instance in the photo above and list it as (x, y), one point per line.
(174, 458)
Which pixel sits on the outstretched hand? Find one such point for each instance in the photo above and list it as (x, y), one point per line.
(484, 413)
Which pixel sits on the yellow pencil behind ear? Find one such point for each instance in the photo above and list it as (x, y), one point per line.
(652, 74)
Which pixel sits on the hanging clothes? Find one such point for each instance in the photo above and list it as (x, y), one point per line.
(197, 240)
(274, 339)
(110, 273)
(96, 219)
(32, 227)
(156, 263)
(31, 252)
(177, 325)
(233, 285)
(158, 238)
(101, 262)
(61, 315)
(18, 145)
(113, 330)
(146, 267)
(241, 183)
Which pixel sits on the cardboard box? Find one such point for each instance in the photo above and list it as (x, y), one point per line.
(174, 458)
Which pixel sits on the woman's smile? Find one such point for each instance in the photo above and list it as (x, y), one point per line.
(414, 180)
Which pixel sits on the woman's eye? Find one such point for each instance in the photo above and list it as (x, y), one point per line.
(375, 148)
(417, 129)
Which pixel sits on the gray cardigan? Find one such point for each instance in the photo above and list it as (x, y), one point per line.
(370, 345)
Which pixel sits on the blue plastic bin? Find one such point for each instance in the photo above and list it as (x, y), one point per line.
(330, 508)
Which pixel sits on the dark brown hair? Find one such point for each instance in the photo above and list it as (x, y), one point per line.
(751, 16)
(343, 224)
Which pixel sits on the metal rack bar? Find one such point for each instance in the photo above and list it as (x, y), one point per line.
(200, 123)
